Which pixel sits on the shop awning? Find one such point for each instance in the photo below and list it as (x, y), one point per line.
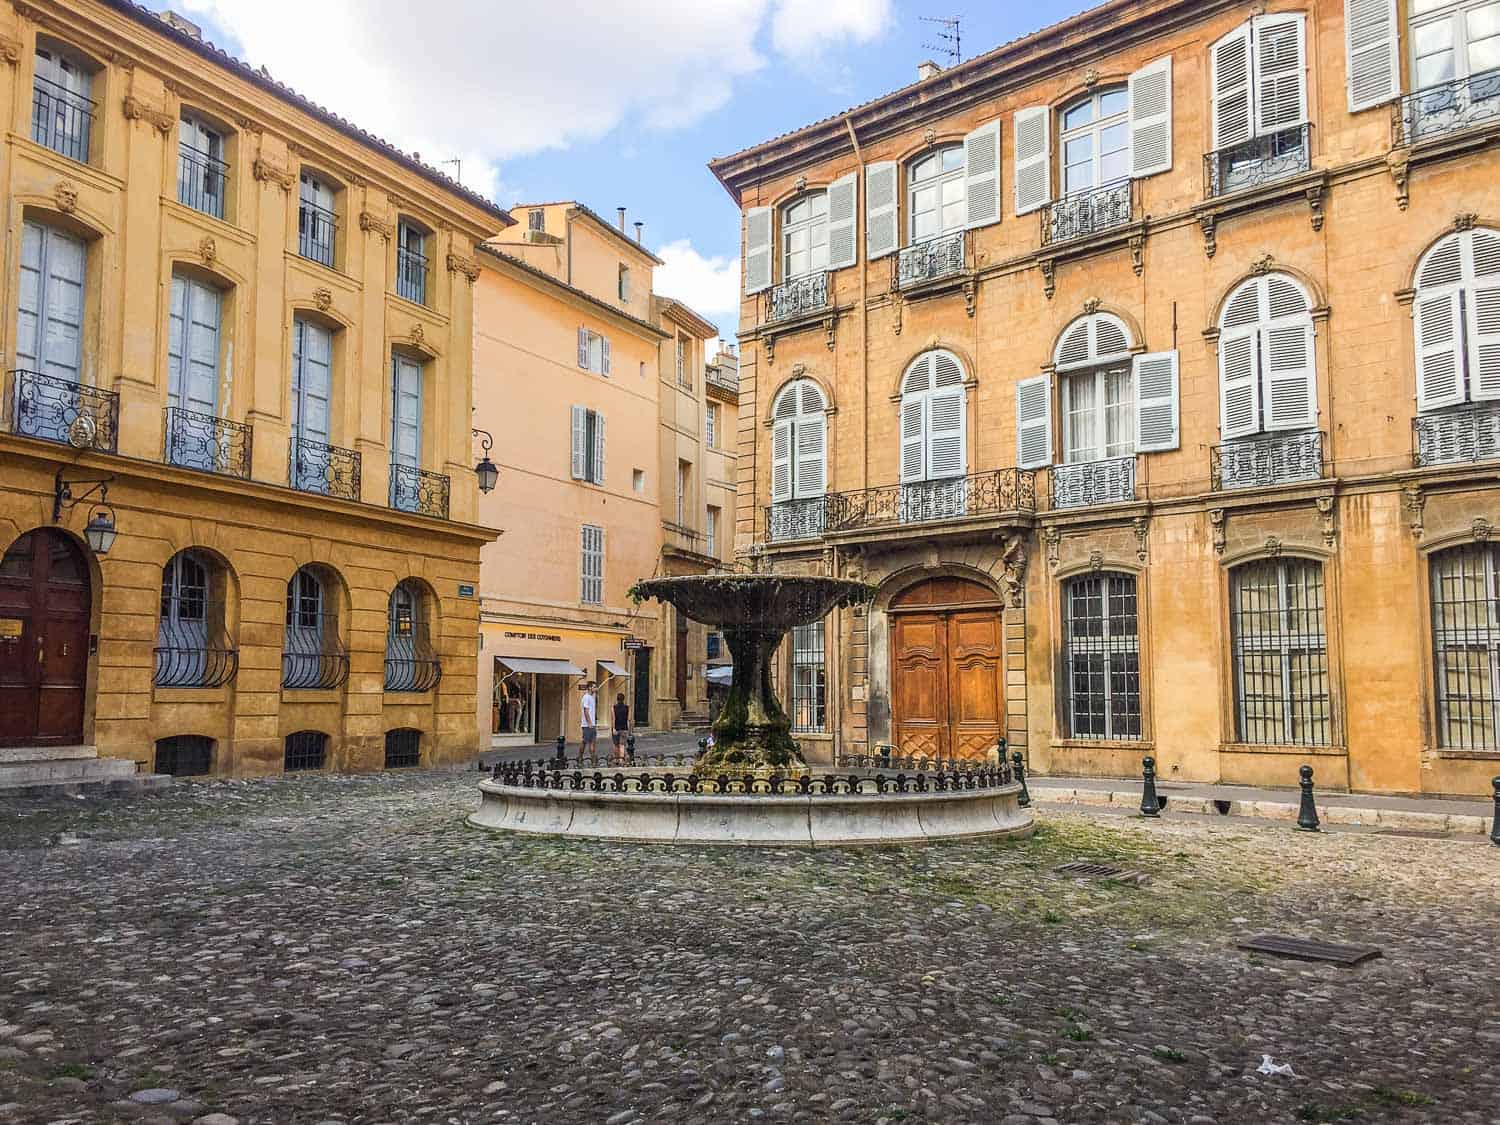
(612, 668)
(540, 666)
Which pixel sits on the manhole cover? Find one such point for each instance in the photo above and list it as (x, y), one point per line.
(1085, 870)
(1308, 949)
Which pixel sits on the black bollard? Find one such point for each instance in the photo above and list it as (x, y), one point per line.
(562, 751)
(495, 771)
(702, 747)
(1150, 803)
(630, 747)
(1018, 765)
(1495, 824)
(1307, 811)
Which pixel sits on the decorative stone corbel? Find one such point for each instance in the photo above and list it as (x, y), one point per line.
(469, 267)
(1414, 501)
(799, 370)
(1210, 224)
(1216, 525)
(1315, 205)
(66, 194)
(1052, 542)
(418, 335)
(10, 49)
(1015, 570)
(768, 344)
(269, 173)
(1465, 220)
(376, 224)
(1142, 528)
(1328, 516)
(1399, 162)
(1049, 276)
(1092, 305)
(323, 298)
(1262, 266)
(1273, 546)
(137, 110)
(898, 307)
(1096, 561)
(930, 137)
(208, 250)
(1138, 254)
(971, 297)
(1482, 529)
(1091, 77)
(829, 325)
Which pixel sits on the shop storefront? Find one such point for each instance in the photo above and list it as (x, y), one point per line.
(533, 678)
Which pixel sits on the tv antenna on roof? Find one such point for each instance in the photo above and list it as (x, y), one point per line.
(950, 38)
(458, 168)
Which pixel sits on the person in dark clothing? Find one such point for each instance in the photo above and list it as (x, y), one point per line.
(620, 726)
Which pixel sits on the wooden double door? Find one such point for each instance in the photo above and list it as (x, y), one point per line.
(947, 670)
(44, 639)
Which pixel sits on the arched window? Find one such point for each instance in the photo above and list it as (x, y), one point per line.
(936, 200)
(1458, 324)
(305, 750)
(1267, 368)
(804, 236)
(1280, 653)
(799, 441)
(411, 663)
(1098, 389)
(933, 423)
(312, 654)
(1095, 141)
(1466, 645)
(193, 648)
(1101, 688)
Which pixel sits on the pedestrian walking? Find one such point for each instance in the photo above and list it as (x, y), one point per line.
(620, 726)
(588, 719)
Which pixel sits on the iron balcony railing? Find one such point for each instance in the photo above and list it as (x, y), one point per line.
(411, 663)
(60, 410)
(1447, 108)
(209, 444)
(1088, 212)
(316, 227)
(798, 297)
(797, 519)
(200, 181)
(1091, 483)
(61, 119)
(1260, 462)
(312, 655)
(411, 275)
(193, 648)
(326, 469)
(939, 257)
(1454, 437)
(934, 501)
(418, 491)
(1258, 161)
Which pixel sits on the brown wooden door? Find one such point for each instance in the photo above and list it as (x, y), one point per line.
(920, 691)
(44, 637)
(976, 708)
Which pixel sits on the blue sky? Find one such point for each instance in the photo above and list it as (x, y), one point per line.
(611, 103)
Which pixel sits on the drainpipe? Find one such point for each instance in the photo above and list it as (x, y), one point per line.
(842, 619)
(568, 234)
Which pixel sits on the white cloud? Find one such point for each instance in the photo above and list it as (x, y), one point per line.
(707, 285)
(803, 29)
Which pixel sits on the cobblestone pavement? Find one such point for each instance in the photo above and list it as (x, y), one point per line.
(345, 949)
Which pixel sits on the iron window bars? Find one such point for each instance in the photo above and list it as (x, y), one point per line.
(1088, 212)
(1469, 433)
(809, 679)
(209, 444)
(1103, 661)
(418, 491)
(326, 469)
(403, 749)
(1258, 161)
(316, 229)
(1460, 103)
(312, 653)
(1266, 460)
(60, 410)
(411, 664)
(193, 648)
(798, 297)
(61, 119)
(1280, 650)
(935, 258)
(305, 750)
(185, 755)
(201, 180)
(1466, 646)
(1089, 483)
(411, 274)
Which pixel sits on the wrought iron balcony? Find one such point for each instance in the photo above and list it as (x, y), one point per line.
(1088, 212)
(936, 258)
(209, 444)
(45, 406)
(312, 655)
(797, 519)
(418, 491)
(326, 469)
(1272, 459)
(411, 663)
(61, 119)
(1091, 483)
(934, 501)
(411, 275)
(798, 297)
(316, 227)
(1449, 108)
(200, 181)
(1458, 436)
(1258, 161)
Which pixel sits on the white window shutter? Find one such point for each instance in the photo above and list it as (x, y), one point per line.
(1239, 386)
(757, 249)
(1280, 67)
(945, 434)
(580, 443)
(1440, 366)
(913, 439)
(811, 434)
(882, 231)
(1290, 366)
(1151, 119)
(1484, 342)
(1156, 402)
(843, 227)
(982, 175)
(598, 448)
(1033, 422)
(1033, 145)
(1373, 61)
(1229, 82)
(781, 462)
(583, 348)
(604, 355)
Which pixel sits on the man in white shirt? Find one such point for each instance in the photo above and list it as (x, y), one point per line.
(588, 718)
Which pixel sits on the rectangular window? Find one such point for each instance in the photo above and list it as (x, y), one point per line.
(411, 262)
(593, 351)
(201, 171)
(638, 480)
(591, 565)
(1453, 39)
(1280, 653)
(536, 219)
(683, 380)
(711, 532)
(809, 679)
(1102, 643)
(711, 426)
(588, 445)
(1466, 645)
(624, 283)
(1100, 410)
(684, 488)
(62, 113)
(315, 220)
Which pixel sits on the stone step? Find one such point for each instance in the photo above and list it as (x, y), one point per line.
(10, 754)
(71, 770)
(131, 786)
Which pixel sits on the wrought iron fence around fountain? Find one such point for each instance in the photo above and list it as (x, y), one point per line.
(935, 258)
(524, 775)
(1088, 212)
(983, 494)
(1258, 161)
(918, 763)
(55, 409)
(798, 297)
(1448, 107)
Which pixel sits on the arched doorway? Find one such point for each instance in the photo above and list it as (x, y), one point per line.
(44, 640)
(947, 669)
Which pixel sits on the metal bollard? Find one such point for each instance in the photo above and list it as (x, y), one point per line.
(1307, 810)
(1495, 824)
(702, 747)
(1150, 803)
(630, 747)
(495, 771)
(562, 750)
(1018, 765)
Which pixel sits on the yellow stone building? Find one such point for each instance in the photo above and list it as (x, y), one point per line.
(237, 476)
(1148, 367)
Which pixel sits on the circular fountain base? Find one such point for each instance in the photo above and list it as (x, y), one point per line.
(760, 820)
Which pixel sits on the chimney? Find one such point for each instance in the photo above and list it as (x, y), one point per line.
(927, 69)
(638, 227)
(620, 213)
(182, 24)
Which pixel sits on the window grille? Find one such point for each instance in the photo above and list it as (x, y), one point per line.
(1103, 685)
(312, 655)
(185, 755)
(411, 663)
(1280, 644)
(403, 749)
(305, 750)
(592, 565)
(809, 678)
(411, 264)
(1466, 645)
(192, 646)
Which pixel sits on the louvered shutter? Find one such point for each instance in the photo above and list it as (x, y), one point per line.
(781, 462)
(1484, 315)
(1440, 373)
(1033, 145)
(583, 348)
(882, 235)
(30, 299)
(757, 249)
(1156, 402)
(843, 248)
(1291, 397)
(598, 449)
(810, 435)
(913, 435)
(604, 355)
(580, 443)
(1229, 79)
(1033, 422)
(1374, 67)
(1280, 72)
(982, 175)
(1151, 119)
(1239, 386)
(945, 434)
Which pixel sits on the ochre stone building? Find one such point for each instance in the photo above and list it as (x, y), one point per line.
(238, 343)
(1147, 367)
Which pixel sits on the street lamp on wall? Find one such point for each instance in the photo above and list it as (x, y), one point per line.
(487, 472)
(100, 531)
